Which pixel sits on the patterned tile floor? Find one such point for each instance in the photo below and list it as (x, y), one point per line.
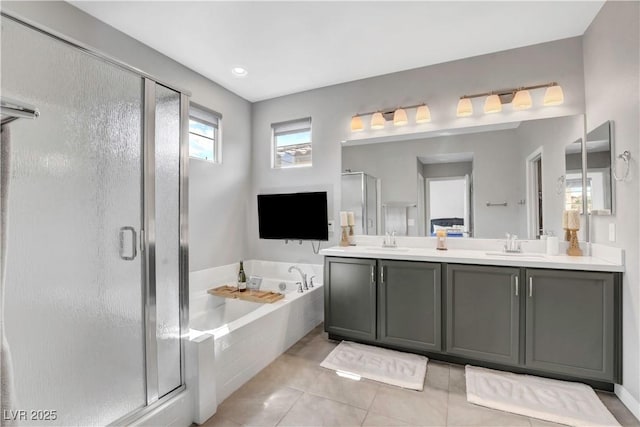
(295, 391)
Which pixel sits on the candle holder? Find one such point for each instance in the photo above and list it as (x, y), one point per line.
(574, 246)
(352, 237)
(344, 240)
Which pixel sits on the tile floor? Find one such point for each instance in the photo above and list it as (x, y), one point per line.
(295, 391)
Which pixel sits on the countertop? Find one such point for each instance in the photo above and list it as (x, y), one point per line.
(478, 257)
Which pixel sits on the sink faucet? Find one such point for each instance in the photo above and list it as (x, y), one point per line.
(389, 240)
(305, 286)
(512, 245)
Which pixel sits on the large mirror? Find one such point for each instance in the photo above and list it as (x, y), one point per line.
(481, 182)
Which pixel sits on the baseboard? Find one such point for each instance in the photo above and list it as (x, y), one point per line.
(628, 400)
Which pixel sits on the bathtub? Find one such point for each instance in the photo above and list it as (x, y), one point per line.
(233, 340)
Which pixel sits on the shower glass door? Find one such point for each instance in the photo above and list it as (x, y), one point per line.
(92, 291)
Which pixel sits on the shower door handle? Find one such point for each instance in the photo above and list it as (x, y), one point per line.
(134, 243)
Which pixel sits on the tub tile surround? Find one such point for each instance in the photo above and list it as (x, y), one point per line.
(323, 398)
(226, 357)
(474, 251)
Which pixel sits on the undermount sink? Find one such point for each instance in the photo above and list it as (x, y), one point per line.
(380, 248)
(515, 254)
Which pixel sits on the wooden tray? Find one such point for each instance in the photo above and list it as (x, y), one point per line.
(227, 291)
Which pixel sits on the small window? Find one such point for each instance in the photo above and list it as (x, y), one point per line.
(204, 134)
(292, 144)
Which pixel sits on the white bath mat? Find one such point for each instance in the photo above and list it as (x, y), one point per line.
(378, 364)
(552, 400)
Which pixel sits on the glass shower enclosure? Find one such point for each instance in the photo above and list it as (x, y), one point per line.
(94, 257)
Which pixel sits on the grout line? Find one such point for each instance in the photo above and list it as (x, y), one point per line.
(291, 407)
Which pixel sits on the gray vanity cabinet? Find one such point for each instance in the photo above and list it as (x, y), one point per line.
(570, 323)
(409, 302)
(483, 312)
(350, 297)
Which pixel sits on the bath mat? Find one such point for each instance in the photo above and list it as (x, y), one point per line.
(561, 402)
(378, 364)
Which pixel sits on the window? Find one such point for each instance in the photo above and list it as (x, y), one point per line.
(292, 144)
(204, 134)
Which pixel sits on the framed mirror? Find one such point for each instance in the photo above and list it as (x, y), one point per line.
(599, 187)
(473, 182)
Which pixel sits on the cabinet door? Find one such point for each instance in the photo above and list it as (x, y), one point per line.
(483, 312)
(570, 323)
(350, 297)
(409, 304)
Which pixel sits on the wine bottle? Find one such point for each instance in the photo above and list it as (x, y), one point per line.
(242, 279)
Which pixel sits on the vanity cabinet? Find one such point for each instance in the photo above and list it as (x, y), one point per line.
(483, 313)
(570, 323)
(409, 304)
(350, 298)
(561, 323)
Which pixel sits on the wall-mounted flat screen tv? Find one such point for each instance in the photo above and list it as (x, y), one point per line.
(293, 216)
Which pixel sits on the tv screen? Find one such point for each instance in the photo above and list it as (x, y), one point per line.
(293, 216)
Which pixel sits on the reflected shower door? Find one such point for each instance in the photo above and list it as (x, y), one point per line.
(74, 295)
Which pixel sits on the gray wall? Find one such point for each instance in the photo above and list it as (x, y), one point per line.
(444, 170)
(439, 85)
(217, 193)
(612, 74)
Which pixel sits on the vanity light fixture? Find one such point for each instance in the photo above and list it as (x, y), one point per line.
(553, 95)
(423, 115)
(520, 98)
(465, 108)
(398, 115)
(377, 121)
(492, 104)
(356, 124)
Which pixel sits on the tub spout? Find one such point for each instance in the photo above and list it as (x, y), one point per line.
(304, 285)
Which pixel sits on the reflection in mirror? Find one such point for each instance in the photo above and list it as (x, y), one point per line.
(477, 182)
(573, 194)
(599, 182)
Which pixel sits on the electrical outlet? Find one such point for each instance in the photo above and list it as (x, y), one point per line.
(330, 227)
(612, 232)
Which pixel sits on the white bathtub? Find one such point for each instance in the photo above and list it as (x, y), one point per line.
(247, 336)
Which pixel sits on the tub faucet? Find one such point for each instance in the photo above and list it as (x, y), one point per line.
(305, 286)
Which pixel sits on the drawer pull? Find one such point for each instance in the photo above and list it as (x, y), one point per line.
(517, 285)
(530, 287)
(382, 275)
(373, 274)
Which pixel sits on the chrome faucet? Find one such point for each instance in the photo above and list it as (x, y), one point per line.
(512, 245)
(304, 284)
(389, 240)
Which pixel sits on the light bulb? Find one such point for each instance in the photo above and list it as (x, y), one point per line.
(553, 96)
(423, 115)
(400, 117)
(465, 108)
(522, 100)
(492, 104)
(356, 124)
(377, 121)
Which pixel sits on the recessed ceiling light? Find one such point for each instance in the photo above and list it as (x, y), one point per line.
(239, 71)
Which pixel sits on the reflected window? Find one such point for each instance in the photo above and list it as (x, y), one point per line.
(204, 134)
(291, 144)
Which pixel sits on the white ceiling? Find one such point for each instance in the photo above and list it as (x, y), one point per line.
(289, 47)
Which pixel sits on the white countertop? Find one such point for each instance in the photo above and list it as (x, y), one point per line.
(480, 257)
